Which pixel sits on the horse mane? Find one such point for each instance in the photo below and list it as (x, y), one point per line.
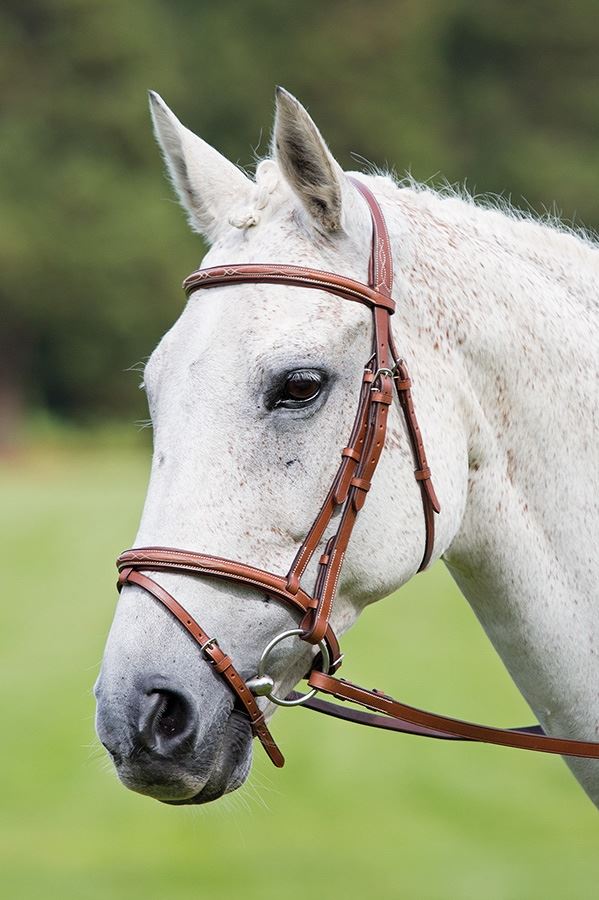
(456, 199)
(452, 200)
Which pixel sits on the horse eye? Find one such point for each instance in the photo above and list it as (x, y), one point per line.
(300, 388)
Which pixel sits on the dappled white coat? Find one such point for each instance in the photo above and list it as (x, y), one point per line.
(498, 320)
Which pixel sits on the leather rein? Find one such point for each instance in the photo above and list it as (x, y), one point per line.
(383, 373)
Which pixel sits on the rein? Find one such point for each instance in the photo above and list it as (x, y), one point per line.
(384, 372)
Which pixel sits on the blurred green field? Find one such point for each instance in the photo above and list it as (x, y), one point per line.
(355, 813)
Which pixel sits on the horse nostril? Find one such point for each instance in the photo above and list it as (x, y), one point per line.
(167, 721)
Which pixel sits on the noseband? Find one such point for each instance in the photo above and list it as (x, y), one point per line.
(383, 373)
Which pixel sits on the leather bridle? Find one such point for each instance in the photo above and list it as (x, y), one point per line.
(384, 371)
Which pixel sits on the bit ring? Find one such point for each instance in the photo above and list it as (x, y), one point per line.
(261, 674)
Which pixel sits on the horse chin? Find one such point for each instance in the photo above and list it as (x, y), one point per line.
(231, 766)
(177, 782)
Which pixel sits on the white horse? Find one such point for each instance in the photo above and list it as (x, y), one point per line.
(499, 321)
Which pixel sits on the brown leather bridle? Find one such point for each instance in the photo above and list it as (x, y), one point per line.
(383, 371)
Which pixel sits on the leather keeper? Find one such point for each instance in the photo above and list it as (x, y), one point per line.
(324, 559)
(403, 384)
(293, 583)
(344, 482)
(361, 484)
(422, 474)
(123, 577)
(225, 663)
(351, 453)
(381, 397)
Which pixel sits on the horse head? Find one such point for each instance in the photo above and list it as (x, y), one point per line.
(252, 394)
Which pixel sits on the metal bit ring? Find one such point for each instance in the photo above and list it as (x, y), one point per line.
(264, 682)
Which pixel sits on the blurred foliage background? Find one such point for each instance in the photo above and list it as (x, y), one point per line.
(501, 94)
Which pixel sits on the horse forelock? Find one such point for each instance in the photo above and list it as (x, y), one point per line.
(268, 183)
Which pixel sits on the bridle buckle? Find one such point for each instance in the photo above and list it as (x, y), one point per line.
(205, 647)
(384, 370)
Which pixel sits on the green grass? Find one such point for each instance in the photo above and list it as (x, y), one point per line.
(355, 813)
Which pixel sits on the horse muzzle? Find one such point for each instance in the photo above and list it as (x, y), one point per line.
(160, 746)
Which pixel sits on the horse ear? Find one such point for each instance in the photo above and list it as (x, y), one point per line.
(307, 163)
(208, 185)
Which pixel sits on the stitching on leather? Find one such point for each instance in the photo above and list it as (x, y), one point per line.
(186, 554)
(327, 608)
(294, 599)
(217, 271)
(355, 289)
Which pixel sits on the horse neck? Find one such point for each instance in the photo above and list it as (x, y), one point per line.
(508, 308)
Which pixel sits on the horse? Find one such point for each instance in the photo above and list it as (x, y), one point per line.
(250, 391)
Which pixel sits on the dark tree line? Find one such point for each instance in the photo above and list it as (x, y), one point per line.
(502, 93)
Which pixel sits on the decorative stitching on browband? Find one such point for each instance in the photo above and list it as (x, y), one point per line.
(203, 276)
(276, 271)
